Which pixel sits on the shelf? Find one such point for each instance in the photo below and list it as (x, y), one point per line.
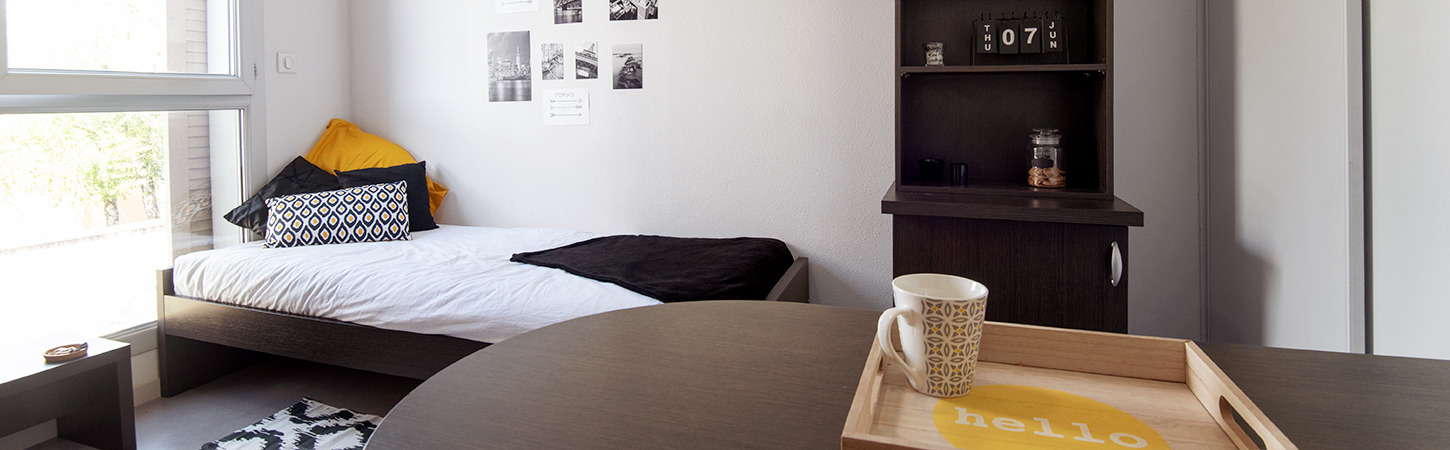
(907, 70)
(952, 22)
(1112, 211)
(985, 119)
(1018, 188)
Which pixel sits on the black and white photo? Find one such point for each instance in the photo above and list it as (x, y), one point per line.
(586, 61)
(648, 9)
(552, 65)
(509, 73)
(568, 11)
(633, 9)
(629, 66)
(623, 10)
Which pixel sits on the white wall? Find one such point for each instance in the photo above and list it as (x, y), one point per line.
(1409, 105)
(300, 104)
(1285, 259)
(1157, 148)
(758, 118)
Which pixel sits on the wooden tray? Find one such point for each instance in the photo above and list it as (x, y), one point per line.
(1168, 384)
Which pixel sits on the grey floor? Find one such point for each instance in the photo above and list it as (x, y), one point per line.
(215, 409)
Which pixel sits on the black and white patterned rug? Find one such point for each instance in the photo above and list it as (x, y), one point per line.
(307, 425)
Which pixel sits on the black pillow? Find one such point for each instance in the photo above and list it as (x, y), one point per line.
(299, 177)
(419, 216)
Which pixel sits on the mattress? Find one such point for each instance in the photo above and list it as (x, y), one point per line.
(454, 280)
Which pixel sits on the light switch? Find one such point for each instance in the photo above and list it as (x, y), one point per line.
(286, 63)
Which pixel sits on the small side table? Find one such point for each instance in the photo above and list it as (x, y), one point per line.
(90, 397)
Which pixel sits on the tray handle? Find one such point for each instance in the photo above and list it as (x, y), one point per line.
(1236, 433)
(1224, 401)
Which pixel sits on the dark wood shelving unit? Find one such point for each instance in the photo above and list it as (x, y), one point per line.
(981, 109)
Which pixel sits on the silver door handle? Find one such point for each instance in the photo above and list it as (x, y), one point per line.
(1115, 265)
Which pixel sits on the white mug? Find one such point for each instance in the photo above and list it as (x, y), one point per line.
(940, 322)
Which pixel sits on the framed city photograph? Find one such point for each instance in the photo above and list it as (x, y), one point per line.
(568, 11)
(509, 73)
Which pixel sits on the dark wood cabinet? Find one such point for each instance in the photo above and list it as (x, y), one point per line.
(1041, 273)
(1045, 254)
(1042, 266)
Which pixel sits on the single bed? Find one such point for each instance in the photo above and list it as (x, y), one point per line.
(433, 300)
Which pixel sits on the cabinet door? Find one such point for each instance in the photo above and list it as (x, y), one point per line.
(1037, 273)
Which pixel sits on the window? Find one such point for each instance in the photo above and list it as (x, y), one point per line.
(121, 123)
(170, 36)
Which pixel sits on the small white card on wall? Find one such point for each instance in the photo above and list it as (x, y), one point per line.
(566, 107)
(516, 6)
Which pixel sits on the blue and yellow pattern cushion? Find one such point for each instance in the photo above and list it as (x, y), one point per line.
(376, 212)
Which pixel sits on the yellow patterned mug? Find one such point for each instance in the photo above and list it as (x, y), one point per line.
(939, 318)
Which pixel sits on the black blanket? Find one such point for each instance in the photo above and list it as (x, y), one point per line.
(671, 269)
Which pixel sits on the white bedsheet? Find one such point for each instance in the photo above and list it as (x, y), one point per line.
(454, 280)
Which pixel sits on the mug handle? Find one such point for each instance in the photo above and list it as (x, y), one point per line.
(883, 335)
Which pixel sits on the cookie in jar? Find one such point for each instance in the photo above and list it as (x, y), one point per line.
(1046, 170)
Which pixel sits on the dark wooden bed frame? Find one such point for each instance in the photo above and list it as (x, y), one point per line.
(201, 340)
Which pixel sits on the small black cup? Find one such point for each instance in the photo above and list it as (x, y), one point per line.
(931, 170)
(959, 174)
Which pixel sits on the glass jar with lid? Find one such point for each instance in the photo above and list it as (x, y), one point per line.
(1046, 170)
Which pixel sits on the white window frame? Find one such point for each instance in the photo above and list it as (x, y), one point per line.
(33, 91)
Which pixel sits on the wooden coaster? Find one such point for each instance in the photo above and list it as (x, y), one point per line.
(66, 353)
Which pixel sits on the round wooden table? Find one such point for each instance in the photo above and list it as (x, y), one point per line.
(753, 374)
(699, 375)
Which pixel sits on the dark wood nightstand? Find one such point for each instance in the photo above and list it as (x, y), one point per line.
(90, 398)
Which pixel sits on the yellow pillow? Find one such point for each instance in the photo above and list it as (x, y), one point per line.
(346, 147)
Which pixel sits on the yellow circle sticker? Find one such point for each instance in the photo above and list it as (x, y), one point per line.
(1004, 417)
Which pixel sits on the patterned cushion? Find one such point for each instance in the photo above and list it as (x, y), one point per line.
(376, 212)
(419, 219)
